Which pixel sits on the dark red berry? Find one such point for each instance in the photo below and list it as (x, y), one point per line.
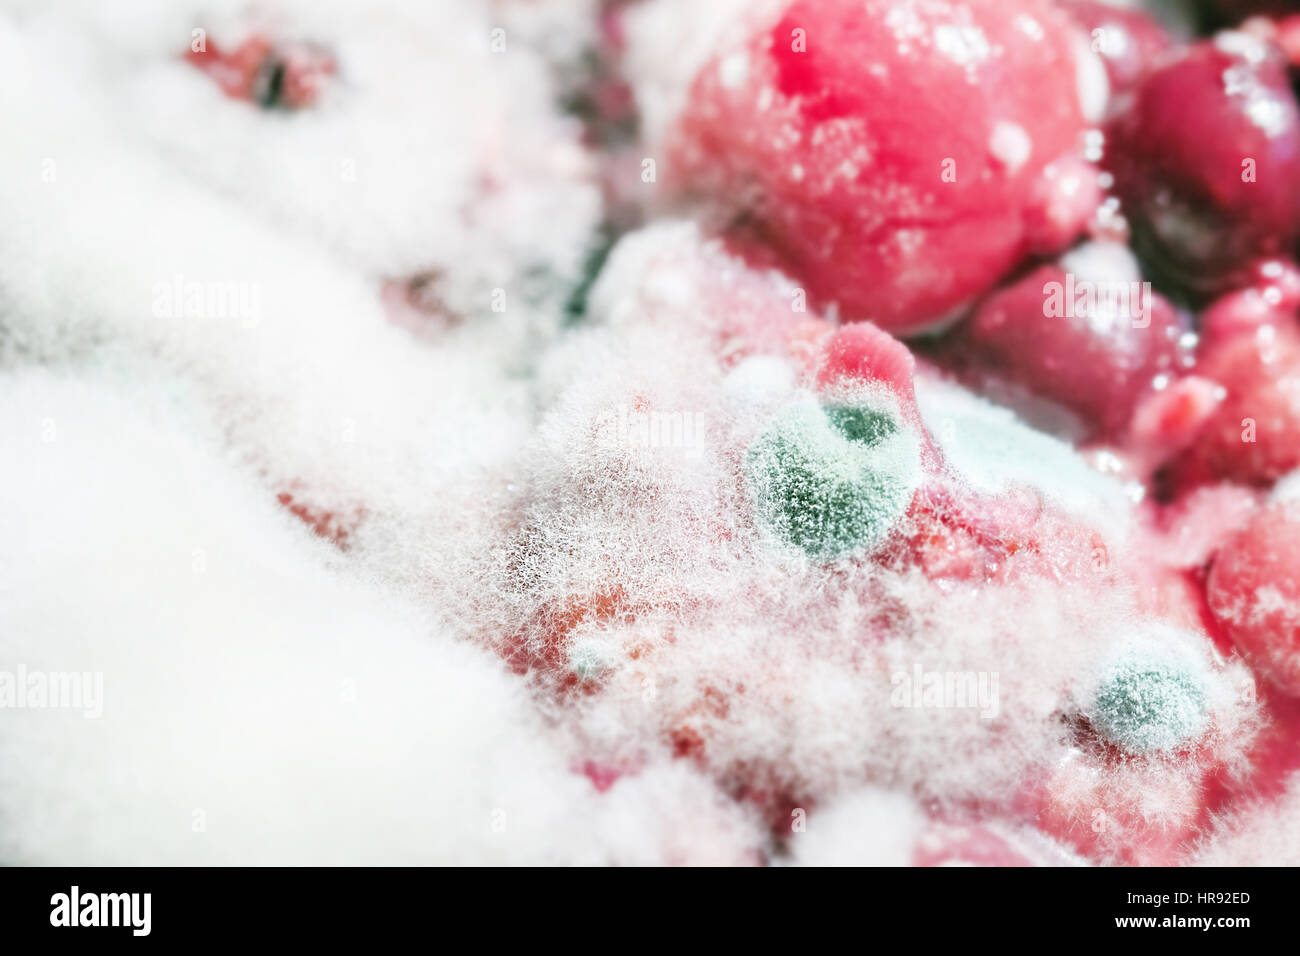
(1206, 158)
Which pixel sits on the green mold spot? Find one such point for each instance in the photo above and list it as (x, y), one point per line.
(867, 425)
(1147, 704)
(833, 480)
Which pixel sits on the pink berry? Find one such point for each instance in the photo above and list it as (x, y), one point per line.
(891, 153)
(1207, 160)
(1254, 592)
(1172, 553)
(864, 353)
(1078, 343)
(1187, 533)
(1274, 756)
(1269, 295)
(1169, 420)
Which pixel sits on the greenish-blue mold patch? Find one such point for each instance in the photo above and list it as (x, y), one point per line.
(1148, 703)
(861, 424)
(833, 480)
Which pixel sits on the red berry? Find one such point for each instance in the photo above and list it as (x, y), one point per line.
(1253, 437)
(1207, 160)
(1169, 420)
(1094, 347)
(1187, 533)
(864, 353)
(1273, 755)
(889, 151)
(1254, 592)
(953, 540)
(1066, 194)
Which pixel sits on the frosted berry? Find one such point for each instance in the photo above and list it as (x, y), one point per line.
(890, 152)
(1254, 592)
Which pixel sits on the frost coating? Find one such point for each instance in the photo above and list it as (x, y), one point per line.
(1148, 702)
(833, 479)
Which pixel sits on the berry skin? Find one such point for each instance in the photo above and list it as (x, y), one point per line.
(866, 354)
(951, 541)
(1093, 357)
(1207, 161)
(833, 479)
(1167, 421)
(890, 152)
(1254, 592)
(1253, 437)
(863, 354)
